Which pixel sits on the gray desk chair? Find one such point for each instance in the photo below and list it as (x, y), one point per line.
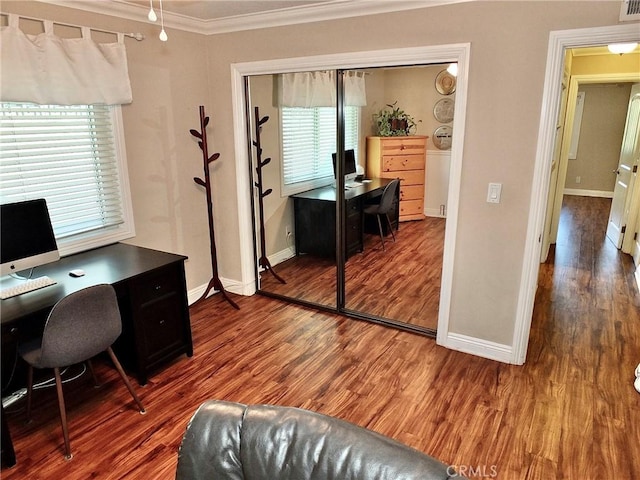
(79, 327)
(383, 208)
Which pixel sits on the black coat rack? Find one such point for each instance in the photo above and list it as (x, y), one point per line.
(263, 261)
(215, 282)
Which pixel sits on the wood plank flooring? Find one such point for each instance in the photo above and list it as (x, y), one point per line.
(399, 283)
(569, 413)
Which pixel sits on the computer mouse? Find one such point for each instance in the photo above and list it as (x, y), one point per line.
(78, 272)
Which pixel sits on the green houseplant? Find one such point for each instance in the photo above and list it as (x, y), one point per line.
(392, 121)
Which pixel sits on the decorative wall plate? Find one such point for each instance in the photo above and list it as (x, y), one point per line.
(445, 83)
(443, 110)
(442, 137)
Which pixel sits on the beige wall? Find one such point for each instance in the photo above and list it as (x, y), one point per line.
(503, 111)
(603, 121)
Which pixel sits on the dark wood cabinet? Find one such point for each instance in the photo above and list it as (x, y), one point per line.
(158, 326)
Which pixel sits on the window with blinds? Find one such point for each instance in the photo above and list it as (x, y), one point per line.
(308, 140)
(71, 156)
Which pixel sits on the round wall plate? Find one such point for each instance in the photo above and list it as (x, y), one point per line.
(442, 137)
(445, 83)
(443, 110)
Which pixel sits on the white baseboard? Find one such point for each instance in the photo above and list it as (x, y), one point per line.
(231, 286)
(588, 193)
(481, 348)
(636, 274)
(433, 212)
(281, 256)
(234, 286)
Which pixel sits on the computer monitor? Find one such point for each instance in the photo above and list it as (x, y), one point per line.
(349, 166)
(26, 236)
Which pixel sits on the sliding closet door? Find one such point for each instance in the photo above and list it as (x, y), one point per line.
(398, 281)
(293, 136)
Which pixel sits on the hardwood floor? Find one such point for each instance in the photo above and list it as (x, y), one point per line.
(569, 413)
(400, 283)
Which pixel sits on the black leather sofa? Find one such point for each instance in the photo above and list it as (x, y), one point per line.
(231, 441)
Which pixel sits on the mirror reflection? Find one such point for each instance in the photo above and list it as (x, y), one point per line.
(394, 245)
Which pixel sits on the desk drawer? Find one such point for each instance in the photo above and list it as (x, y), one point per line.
(392, 163)
(158, 284)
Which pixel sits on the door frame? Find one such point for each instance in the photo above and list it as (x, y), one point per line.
(424, 55)
(559, 42)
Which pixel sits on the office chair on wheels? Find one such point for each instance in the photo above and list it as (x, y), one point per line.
(79, 327)
(384, 207)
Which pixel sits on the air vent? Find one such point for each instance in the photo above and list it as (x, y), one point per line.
(630, 10)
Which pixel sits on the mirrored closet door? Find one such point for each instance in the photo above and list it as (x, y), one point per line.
(396, 282)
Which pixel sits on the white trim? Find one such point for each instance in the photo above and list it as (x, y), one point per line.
(281, 256)
(558, 42)
(229, 285)
(331, 10)
(636, 274)
(459, 53)
(587, 193)
(479, 347)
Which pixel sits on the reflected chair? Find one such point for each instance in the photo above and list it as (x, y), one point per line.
(79, 327)
(383, 208)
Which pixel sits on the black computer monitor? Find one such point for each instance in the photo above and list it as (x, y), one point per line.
(349, 165)
(26, 236)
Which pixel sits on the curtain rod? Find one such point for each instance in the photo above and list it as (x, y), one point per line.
(138, 36)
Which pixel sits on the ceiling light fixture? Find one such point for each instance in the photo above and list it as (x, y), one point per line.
(163, 34)
(621, 48)
(153, 17)
(453, 69)
(152, 14)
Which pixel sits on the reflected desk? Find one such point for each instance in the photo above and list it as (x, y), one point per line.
(315, 218)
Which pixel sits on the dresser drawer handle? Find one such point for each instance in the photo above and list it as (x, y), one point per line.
(158, 287)
(162, 322)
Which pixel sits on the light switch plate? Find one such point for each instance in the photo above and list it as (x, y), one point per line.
(494, 193)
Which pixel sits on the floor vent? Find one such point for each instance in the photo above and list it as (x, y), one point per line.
(630, 10)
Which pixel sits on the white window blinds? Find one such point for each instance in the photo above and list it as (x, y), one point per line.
(67, 155)
(308, 140)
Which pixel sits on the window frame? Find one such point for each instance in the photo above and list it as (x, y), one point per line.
(298, 187)
(107, 235)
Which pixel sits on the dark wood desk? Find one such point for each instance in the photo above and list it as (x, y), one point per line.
(152, 296)
(315, 218)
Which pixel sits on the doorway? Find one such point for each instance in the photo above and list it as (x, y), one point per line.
(559, 42)
(385, 58)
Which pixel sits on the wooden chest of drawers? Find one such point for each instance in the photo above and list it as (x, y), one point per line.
(403, 158)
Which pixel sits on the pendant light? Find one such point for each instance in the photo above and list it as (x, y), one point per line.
(163, 34)
(153, 17)
(152, 14)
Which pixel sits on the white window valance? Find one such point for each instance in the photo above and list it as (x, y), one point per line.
(318, 89)
(50, 70)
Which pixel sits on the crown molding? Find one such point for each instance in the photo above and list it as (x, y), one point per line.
(332, 10)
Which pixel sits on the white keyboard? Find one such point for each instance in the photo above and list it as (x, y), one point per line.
(26, 286)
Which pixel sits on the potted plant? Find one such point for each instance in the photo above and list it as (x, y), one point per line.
(392, 121)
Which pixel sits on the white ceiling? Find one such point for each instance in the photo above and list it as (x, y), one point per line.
(219, 16)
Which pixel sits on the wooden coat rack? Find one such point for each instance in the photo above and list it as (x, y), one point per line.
(215, 282)
(263, 261)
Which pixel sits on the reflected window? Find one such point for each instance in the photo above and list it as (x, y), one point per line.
(308, 140)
